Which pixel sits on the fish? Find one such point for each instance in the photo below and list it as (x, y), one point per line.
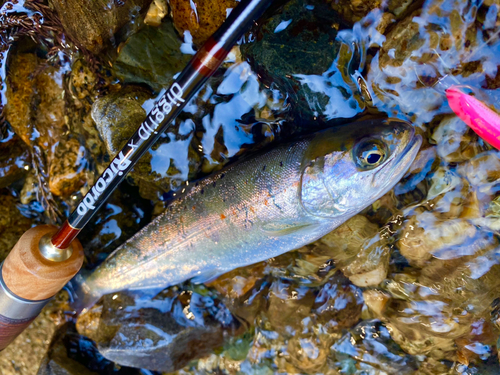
(480, 118)
(259, 207)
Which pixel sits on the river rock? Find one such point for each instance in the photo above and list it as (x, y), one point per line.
(151, 56)
(456, 142)
(67, 168)
(370, 339)
(93, 23)
(12, 224)
(37, 111)
(14, 158)
(288, 305)
(431, 312)
(118, 115)
(122, 215)
(161, 334)
(200, 17)
(72, 354)
(296, 51)
(338, 303)
(170, 160)
(417, 61)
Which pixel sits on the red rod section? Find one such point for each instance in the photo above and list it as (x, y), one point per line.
(64, 236)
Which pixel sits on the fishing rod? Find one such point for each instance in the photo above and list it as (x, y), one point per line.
(46, 258)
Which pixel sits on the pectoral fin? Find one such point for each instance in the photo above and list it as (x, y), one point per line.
(283, 228)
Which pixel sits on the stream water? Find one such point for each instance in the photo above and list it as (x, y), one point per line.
(409, 286)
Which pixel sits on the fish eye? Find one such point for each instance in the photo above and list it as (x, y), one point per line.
(370, 153)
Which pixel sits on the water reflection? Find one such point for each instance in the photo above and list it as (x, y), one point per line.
(426, 255)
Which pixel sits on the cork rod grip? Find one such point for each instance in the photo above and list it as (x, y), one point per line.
(28, 281)
(29, 275)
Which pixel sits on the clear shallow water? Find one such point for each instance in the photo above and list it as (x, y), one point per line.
(429, 305)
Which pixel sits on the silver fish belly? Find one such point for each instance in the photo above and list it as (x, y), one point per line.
(246, 213)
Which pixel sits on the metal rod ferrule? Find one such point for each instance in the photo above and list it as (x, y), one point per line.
(15, 307)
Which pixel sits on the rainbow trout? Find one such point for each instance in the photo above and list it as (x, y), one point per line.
(261, 207)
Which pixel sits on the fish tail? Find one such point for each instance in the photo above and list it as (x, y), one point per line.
(81, 296)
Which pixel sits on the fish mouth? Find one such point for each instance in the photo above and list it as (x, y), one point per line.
(405, 152)
(403, 161)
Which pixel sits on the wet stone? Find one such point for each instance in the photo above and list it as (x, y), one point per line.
(358, 250)
(92, 24)
(338, 303)
(68, 168)
(35, 101)
(151, 56)
(425, 235)
(72, 354)
(14, 157)
(431, 312)
(200, 17)
(118, 115)
(455, 141)
(12, 224)
(169, 162)
(296, 52)
(157, 10)
(288, 305)
(354, 10)
(417, 61)
(161, 334)
(36, 110)
(308, 354)
(369, 348)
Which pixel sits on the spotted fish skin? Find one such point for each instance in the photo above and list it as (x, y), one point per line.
(258, 208)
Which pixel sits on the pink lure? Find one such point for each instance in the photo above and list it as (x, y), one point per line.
(484, 121)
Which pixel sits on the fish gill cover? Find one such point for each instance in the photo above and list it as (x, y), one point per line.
(407, 286)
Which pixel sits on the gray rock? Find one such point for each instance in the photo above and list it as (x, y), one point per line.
(72, 354)
(370, 339)
(160, 334)
(118, 115)
(151, 56)
(297, 50)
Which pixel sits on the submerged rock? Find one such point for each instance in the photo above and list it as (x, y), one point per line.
(72, 354)
(118, 115)
(93, 24)
(35, 101)
(431, 312)
(200, 17)
(358, 250)
(368, 348)
(14, 158)
(456, 142)
(288, 304)
(338, 304)
(440, 44)
(36, 109)
(151, 56)
(169, 162)
(12, 224)
(300, 52)
(123, 215)
(67, 169)
(161, 334)
(425, 235)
